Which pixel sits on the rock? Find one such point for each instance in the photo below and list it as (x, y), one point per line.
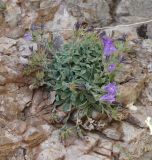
(52, 97)
(33, 137)
(103, 151)
(113, 132)
(37, 99)
(47, 10)
(130, 132)
(18, 155)
(139, 8)
(16, 33)
(12, 15)
(90, 11)
(146, 156)
(54, 154)
(62, 20)
(6, 43)
(93, 157)
(137, 117)
(147, 44)
(17, 126)
(35, 4)
(10, 100)
(49, 3)
(130, 91)
(24, 47)
(149, 30)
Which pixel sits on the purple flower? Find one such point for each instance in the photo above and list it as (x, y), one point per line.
(28, 37)
(111, 67)
(111, 88)
(108, 98)
(109, 47)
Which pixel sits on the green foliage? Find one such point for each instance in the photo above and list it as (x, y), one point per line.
(2, 6)
(37, 65)
(66, 132)
(77, 75)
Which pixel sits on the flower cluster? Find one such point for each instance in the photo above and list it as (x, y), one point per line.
(111, 90)
(28, 37)
(109, 47)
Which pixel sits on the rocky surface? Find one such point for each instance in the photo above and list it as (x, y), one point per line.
(26, 128)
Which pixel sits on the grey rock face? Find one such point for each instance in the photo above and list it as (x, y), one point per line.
(139, 8)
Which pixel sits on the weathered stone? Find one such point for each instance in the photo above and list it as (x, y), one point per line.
(90, 11)
(11, 104)
(103, 151)
(130, 132)
(52, 153)
(113, 132)
(47, 12)
(6, 43)
(24, 47)
(147, 44)
(16, 33)
(93, 157)
(13, 15)
(140, 8)
(149, 30)
(33, 137)
(130, 91)
(138, 116)
(62, 21)
(17, 126)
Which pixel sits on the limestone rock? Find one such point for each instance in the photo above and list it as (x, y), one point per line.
(138, 116)
(13, 15)
(113, 132)
(130, 132)
(90, 11)
(52, 153)
(129, 92)
(16, 33)
(47, 10)
(6, 43)
(17, 126)
(139, 8)
(33, 137)
(93, 157)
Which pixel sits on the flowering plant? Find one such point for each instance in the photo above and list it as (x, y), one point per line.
(82, 74)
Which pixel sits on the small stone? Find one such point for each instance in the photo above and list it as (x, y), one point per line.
(52, 97)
